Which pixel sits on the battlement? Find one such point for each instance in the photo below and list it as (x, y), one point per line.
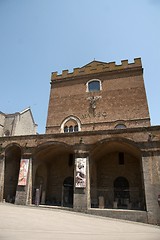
(96, 67)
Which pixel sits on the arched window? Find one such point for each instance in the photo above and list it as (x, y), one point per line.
(71, 124)
(94, 85)
(120, 126)
(71, 128)
(65, 129)
(76, 128)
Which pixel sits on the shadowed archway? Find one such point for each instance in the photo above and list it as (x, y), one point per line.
(116, 175)
(11, 173)
(53, 163)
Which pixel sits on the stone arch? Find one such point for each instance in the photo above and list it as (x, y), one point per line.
(119, 141)
(13, 144)
(72, 121)
(51, 144)
(13, 154)
(107, 165)
(58, 161)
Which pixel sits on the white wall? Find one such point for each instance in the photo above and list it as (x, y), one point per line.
(24, 124)
(2, 120)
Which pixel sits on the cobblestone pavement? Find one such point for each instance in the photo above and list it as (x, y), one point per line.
(35, 223)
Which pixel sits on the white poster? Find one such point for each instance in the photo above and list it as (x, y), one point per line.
(80, 173)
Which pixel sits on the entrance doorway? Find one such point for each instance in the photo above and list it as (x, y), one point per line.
(68, 192)
(121, 192)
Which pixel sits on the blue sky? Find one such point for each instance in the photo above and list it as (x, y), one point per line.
(38, 37)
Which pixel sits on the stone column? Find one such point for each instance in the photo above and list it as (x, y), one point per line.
(151, 171)
(29, 192)
(81, 200)
(24, 188)
(2, 166)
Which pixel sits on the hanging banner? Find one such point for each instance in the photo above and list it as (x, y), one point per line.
(80, 181)
(23, 172)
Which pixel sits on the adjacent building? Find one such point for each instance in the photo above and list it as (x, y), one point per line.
(19, 123)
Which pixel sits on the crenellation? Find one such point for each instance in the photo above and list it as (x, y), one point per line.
(76, 71)
(112, 65)
(96, 67)
(124, 63)
(137, 62)
(65, 72)
(54, 74)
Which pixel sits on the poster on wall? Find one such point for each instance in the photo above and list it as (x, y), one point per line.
(80, 173)
(23, 172)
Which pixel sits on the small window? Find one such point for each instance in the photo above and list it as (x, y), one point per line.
(93, 86)
(71, 124)
(120, 126)
(65, 129)
(7, 133)
(71, 129)
(76, 128)
(70, 160)
(121, 158)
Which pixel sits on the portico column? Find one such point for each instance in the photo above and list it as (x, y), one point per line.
(2, 166)
(150, 167)
(24, 187)
(81, 178)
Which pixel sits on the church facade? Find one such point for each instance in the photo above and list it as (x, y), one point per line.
(19, 123)
(99, 154)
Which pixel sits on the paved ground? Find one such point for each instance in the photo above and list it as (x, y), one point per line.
(35, 223)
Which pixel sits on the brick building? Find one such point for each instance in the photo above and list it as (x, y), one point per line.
(99, 153)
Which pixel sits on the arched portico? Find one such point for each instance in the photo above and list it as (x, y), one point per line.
(53, 164)
(116, 175)
(11, 172)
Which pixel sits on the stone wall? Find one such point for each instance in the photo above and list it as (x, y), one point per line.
(24, 124)
(2, 121)
(19, 123)
(49, 147)
(130, 215)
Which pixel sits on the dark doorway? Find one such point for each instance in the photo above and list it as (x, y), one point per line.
(121, 192)
(12, 166)
(68, 192)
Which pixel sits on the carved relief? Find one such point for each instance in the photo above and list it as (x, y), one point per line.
(92, 109)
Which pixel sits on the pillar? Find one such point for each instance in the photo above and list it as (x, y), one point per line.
(151, 167)
(2, 163)
(24, 187)
(81, 179)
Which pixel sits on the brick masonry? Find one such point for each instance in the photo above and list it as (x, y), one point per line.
(121, 100)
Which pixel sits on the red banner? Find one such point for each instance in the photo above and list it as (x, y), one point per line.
(23, 172)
